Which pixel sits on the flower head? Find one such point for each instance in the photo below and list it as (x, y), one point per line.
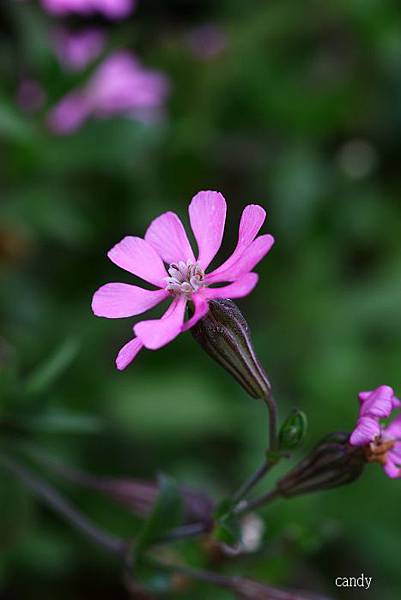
(166, 260)
(111, 9)
(382, 443)
(119, 86)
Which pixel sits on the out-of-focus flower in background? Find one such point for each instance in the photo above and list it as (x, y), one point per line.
(382, 443)
(206, 41)
(77, 49)
(112, 9)
(31, 96)
(186, 279)
(119, 86)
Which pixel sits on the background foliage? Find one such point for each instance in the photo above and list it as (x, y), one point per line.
(301, 113)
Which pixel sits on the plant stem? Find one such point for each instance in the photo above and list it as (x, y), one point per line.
(54, 500)
(185, 531)
(251, 481)
(272, 408)
(254, 479)
(250, 505)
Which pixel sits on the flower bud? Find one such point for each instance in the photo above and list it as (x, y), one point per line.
(225, 336)
(293, 430)
(333, 462)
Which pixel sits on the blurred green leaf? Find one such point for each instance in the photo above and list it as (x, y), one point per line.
(59, 420)
(165, 515)
(228, 530)
(12, 125)
(47, 373)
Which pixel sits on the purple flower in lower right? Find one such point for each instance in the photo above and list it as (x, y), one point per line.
(381, 442)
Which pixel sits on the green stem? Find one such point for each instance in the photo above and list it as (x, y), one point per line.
(249, 505)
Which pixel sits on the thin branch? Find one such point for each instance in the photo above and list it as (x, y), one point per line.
(249, 505)
(184, 532)
(254, 479)
(251, 481)
(272, 408)
(62, 507)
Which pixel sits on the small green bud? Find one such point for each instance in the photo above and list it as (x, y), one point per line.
(293, 430)
(225, 336)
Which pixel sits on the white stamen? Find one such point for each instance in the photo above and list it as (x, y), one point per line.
(185, 278)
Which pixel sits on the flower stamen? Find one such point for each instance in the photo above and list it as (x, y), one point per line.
(185, 278)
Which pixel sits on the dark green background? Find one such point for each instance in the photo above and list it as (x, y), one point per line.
(302, 114)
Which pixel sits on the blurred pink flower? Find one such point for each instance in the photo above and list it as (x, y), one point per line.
(185, 279)
(119, 86)
(383, 443)
(207, 41)
(75, 50)
(112, 9)
(30, 96)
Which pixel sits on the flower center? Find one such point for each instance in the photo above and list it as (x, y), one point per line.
(377, 450)
(185, 278)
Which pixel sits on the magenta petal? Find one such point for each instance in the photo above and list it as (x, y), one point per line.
(391, 469)
(117, 300)
(393, 430)
(167, 236)
(138, 257)
(201, 308)
(207, 213)
(365, 432)
(252, 219)
(379, 403)
(68, 114)
(128, 353)
(158, 332)
(242, 287)
(249, 259)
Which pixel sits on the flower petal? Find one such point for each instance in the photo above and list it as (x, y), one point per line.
(117, 300)
(242, 287)
(138, 257)
(391, 469)
(167, 236)
(158, 332)
(207, 213)
(378, 403)
(252, 219)
(249, 259)
(366, 430)
(128, 353)
(393, 430)
(201, 308)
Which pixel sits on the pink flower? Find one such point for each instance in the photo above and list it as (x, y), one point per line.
(112, 9)
(119, 86)
(76, 50)
(185, 280)
(383, 443)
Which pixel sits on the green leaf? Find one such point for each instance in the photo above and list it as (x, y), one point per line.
(165, 515)
(228, 527)
(228, 530)
(223, 508)
(60, 421)
(44, 375)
